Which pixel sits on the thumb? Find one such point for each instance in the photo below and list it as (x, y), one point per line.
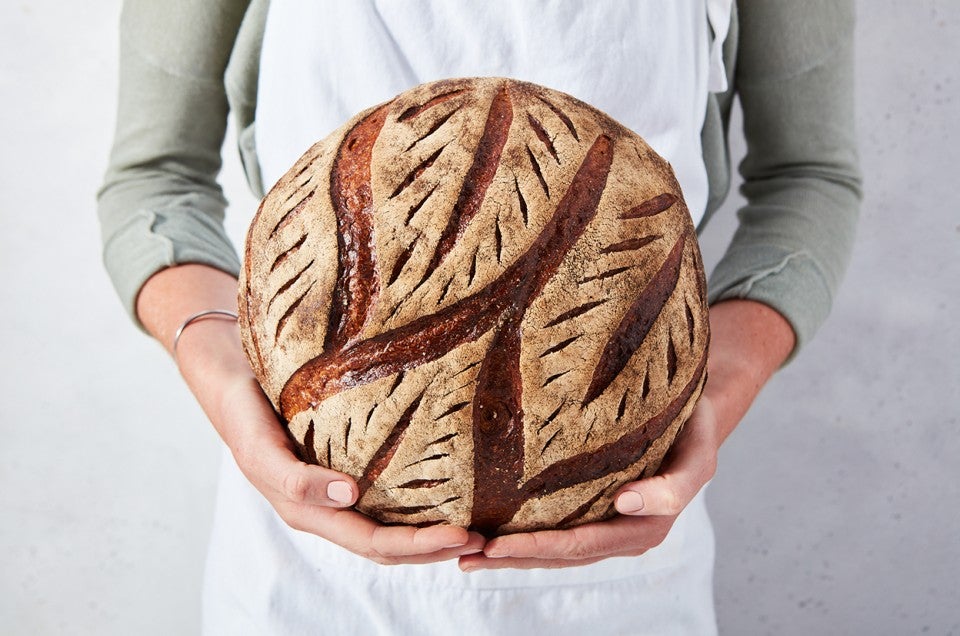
(689, 465)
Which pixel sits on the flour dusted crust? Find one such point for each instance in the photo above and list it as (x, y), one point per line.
(484, 300)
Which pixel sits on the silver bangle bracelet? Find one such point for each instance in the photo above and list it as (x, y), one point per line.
(200, 315)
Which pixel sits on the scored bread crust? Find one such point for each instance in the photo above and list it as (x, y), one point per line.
(484, 300)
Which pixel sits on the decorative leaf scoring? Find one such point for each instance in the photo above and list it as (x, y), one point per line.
(543, 136)
(424, 483)
(416, 172)
(416, 208)
(434, 128)
(630, 244)
(291, 214)
(560, 346)
(550, 418)
(563, 117)
(651, 207)
(636, 323)
(283, 256)
(610, 273)
(441, 440)
(523, 202)
(501, 304)
(431, 458)
(459, 406)
(535, 165)
(413, 111)
(289, 312)
(576, 311)
(386, 451)
(289, 283)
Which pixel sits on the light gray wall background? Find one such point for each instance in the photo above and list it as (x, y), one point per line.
(836, 504)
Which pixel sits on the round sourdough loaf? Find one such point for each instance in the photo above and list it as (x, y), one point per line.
(484, 300)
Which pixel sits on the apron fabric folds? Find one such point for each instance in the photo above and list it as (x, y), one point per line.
(647, 64)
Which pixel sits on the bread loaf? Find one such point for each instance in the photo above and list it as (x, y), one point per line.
(482, 299)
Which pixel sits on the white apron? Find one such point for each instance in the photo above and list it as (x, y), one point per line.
(647, 64)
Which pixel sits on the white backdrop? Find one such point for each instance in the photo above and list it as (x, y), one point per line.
(837, 500)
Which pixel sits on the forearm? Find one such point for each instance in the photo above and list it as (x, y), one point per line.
(209, 354)
(749, 341)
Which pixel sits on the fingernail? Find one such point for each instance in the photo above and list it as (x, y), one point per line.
(471, 551)
(455, 545)
(340, 491)
(630, 501)
(495, 555)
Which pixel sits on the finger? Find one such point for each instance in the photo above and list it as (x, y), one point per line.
(392, 544)
(689, 465)
(283, 478)
(473, 562)
(620, 535)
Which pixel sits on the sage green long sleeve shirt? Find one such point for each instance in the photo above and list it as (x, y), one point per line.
(186, 65)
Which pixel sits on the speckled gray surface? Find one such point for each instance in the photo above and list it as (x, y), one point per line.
(837, 504)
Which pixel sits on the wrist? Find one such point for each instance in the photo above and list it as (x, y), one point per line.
(749, 342)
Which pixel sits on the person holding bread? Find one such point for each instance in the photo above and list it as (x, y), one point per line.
(289, 554)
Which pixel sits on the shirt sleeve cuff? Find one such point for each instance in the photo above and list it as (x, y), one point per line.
(149, 241)
(787, 281)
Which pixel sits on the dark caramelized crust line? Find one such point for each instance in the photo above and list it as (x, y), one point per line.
(543, 136)
(630, 244)
(416, 172)
(291, 213)
(560, 346)
(430, 337)
(434, 128)
(413, 111)
(388, 448)
(289, 283)
(524, 213)
(576, 311)
(584, 508)
(431, 458)
(401, 261)
(617, 455)
(562, 116)
(645, 385)
(498, 430)
(671, 360)
(309, 451)
(636, 323)
(289, 312)
(440, 440)
(535, 166)
(610, 273)
(549, 419)
(283, 256)
(622, 407)
(416, 208)
(352, 197)
(412, 510)
(479, 176)
(416, 484)
(459, 406)
(550, 440)
(553, 378)
(689, 316)
(651, 207)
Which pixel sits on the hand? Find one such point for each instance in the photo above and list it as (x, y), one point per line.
(315, 499)
(308, 498)
(749, 341)
(648, 510)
